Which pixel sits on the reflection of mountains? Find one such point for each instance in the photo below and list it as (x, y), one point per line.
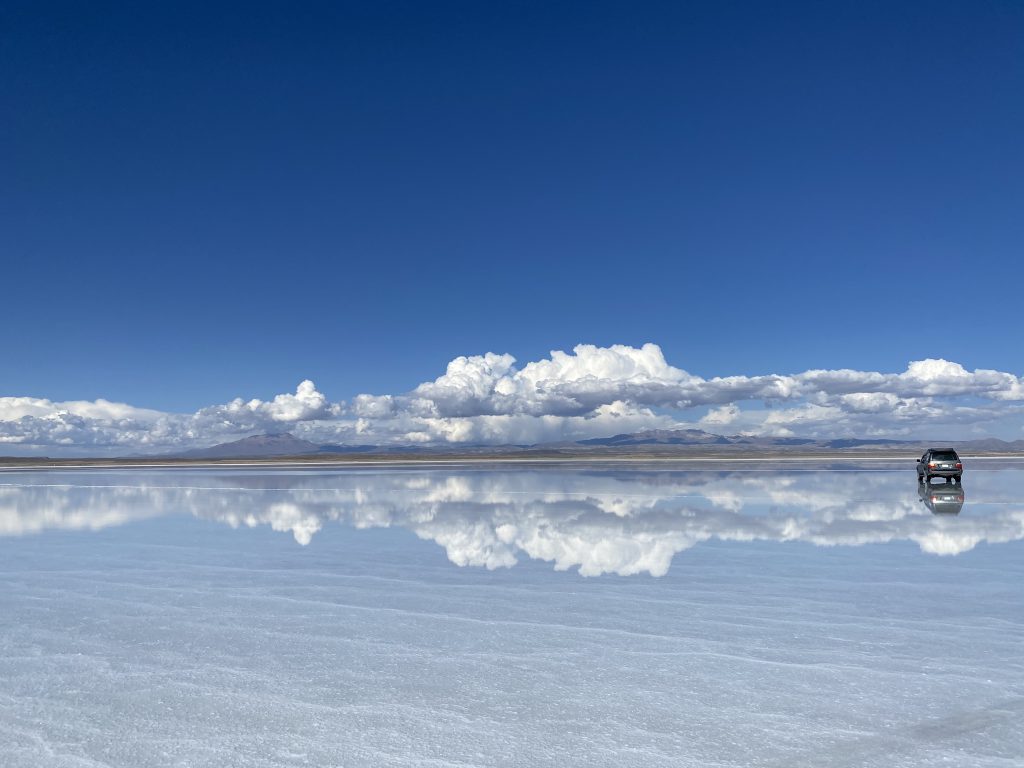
(600, 522)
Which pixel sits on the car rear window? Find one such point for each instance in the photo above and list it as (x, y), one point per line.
(944, 456)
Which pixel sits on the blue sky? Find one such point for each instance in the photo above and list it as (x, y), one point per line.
(203, 203)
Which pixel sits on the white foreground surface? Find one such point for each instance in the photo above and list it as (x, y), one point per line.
(257, 618)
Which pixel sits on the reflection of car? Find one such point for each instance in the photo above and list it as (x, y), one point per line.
(939, 462)
(942, 499)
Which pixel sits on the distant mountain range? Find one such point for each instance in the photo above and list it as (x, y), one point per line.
(649, 441)
(275, 444)
(700, 437)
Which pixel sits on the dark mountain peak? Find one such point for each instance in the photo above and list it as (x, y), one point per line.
(270, 444)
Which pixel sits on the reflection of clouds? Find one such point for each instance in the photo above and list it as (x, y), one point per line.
(280, 516)
(624, 522)
(36, 508)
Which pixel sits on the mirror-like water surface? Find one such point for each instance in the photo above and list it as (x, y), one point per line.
(516, 615)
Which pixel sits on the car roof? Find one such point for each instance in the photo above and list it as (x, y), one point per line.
(941, 450)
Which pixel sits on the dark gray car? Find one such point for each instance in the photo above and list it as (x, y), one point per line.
(939, 462)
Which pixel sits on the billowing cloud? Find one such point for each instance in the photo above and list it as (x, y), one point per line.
(589, 392)
(307, 404)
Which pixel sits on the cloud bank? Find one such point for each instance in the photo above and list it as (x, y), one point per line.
(590, 392)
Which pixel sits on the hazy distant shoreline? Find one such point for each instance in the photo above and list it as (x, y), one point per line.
(519, 457)
(652, 446)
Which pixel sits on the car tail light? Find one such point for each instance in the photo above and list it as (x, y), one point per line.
(959, 465)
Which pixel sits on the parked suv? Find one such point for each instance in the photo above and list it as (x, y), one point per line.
(939, 462)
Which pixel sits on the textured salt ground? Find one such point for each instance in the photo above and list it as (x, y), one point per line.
(171, 640)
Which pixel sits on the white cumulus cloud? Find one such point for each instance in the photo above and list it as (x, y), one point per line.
(588, 392)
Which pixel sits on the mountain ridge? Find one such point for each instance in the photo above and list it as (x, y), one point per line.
(274, 444)
(254, 446)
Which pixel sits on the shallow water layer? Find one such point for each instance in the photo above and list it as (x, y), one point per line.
(723, 614)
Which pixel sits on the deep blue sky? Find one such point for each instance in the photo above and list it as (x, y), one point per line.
(198, 203)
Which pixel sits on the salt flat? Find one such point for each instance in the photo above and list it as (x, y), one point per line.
(511, 615)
